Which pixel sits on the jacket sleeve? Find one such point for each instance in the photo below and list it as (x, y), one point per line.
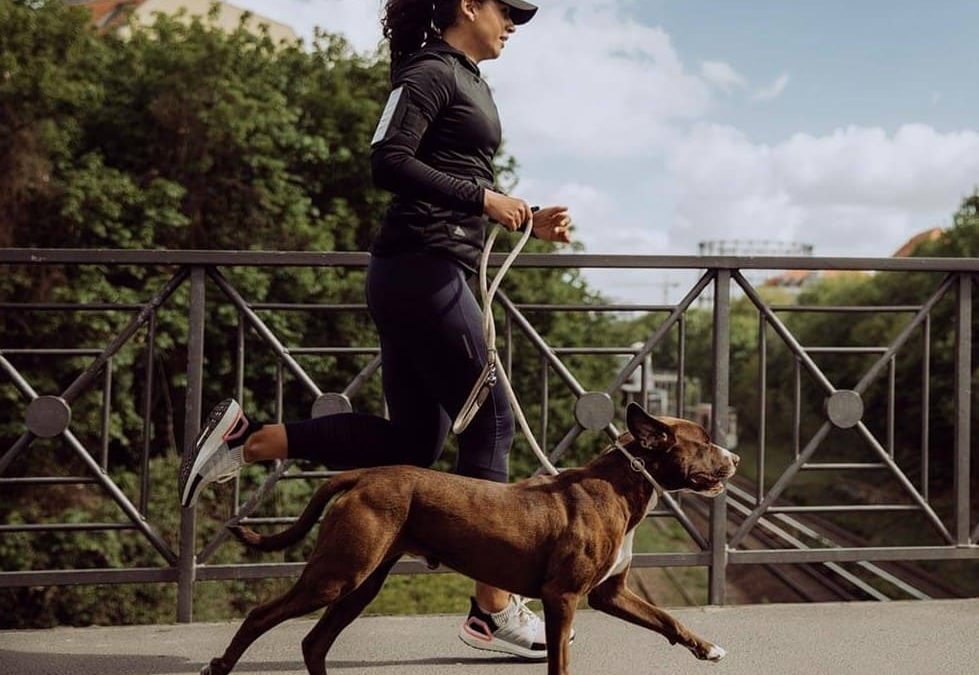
(420, 92)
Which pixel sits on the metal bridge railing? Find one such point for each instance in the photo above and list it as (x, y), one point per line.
(720, 544)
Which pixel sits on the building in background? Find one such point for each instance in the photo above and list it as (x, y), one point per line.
(796, 280)
(750, 248)
(115, 15)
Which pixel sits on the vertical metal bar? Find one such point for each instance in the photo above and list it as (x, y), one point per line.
(106, 402)
(192, 423)
(144, 462)
(681, 359)
(508, 332)
(544, 395)
(926, 408)
(278, 391)
(240, 397)
(963, 408)
(644, 386)
(891, 387)
(762, 402)
(719, 425)
(797, 407)
(681, 378)
(240, 361)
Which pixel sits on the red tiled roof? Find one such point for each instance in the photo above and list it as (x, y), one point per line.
(908, 248)
(110, 13)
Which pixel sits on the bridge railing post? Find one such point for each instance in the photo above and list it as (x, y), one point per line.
(187, 565)
(963, 406)
(719, 426)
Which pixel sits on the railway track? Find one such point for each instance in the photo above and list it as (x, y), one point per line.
(810, 582)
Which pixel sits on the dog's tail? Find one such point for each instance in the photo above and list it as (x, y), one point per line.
(322, 498)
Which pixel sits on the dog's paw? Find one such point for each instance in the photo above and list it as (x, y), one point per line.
(708, 652)
(215, 667)
(715, 653)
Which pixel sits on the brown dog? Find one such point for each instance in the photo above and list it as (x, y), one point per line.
(556, 538)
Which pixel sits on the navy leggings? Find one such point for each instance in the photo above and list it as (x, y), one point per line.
(432, 351)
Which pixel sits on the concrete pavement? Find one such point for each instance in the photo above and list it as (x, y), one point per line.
(898, 638)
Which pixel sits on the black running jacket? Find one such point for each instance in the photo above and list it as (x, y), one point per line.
(434, 149)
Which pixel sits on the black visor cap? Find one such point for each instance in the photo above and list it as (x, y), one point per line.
(521, 12)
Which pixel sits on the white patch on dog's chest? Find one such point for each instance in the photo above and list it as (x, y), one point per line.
(624, 555)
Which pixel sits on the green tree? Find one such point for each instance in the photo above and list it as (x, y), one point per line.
(182, 136)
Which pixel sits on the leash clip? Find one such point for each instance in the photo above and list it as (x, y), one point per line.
(637, 464)
(480, 392)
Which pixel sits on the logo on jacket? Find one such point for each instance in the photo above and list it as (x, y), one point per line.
(458, 231)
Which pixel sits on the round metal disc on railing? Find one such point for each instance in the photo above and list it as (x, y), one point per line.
(844, 408)
(48, 416)
(594, 410)
(331, 403)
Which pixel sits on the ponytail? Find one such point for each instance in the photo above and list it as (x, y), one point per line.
(409, 25)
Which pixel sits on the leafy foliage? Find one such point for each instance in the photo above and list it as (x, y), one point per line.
(182, 136)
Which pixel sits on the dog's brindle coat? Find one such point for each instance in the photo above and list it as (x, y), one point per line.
(556, 538)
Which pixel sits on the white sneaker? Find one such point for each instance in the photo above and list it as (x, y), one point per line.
(514, 630)
(217, 453)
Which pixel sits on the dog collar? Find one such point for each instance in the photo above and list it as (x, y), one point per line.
(638, 464)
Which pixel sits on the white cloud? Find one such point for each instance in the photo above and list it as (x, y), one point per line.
(855, 191)
(584, 87)
(774, 90)
(583, 80)
(358, 20)
(599, 221)
(722, 75)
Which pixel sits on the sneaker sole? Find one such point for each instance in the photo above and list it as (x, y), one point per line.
(501, 647)
(223, 416)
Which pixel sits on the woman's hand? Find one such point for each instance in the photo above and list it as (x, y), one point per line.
(553, 224)
(509, 212)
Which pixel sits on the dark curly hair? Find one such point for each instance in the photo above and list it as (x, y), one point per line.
(411, 24)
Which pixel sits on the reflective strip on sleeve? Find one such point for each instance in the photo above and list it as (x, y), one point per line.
(392, 106)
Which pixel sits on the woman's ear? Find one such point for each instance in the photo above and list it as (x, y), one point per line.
(649, 431)
(469, 9)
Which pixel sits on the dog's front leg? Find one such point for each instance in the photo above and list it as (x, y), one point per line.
(559, 608)
(613, 597)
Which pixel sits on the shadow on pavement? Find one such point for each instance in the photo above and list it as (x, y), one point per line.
(46, 663)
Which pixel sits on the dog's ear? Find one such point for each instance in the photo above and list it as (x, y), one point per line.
(649, 431)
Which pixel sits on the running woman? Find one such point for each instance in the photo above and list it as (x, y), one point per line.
(433, 149)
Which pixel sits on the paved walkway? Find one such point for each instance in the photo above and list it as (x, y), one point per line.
(934, 637)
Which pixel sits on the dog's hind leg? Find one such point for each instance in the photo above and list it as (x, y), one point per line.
(613, 597)
(319, 640)
(299, 600)
(352, 545)
(559, 608)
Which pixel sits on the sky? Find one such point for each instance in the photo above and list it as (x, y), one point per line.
(849, 126)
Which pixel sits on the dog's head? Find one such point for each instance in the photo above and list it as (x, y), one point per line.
(679, 454)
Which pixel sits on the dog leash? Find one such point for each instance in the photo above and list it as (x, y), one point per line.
(491, 375)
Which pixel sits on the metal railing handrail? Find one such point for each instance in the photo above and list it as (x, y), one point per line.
(719, 276)
(56, 256)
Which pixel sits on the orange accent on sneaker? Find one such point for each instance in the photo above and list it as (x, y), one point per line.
(485, 636)
(234, 431)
